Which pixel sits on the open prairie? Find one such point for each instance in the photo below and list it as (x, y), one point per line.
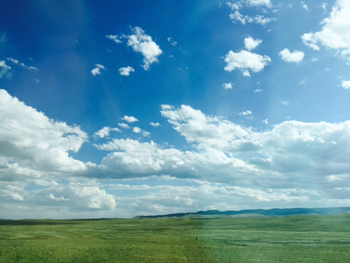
(230, 239)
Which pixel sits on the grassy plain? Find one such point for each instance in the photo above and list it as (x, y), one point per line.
(255, 239)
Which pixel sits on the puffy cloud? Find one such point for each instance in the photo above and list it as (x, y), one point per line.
(97, 69)
(144, 44)
(345, 84)
(129, 119)
(32, 145)
(245, 60)
(335, 33)
(258, 19)
(267, 3)
(291, 154)
(227, 85)
(125, 71)
(238, 4)
(104, 132)
(234, 6)
(154, 124)
(251, 43)
(136, 130)
(295, 56)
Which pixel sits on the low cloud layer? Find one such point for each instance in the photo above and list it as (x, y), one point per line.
(291, 155)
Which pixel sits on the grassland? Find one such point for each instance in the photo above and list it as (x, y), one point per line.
(283, 239)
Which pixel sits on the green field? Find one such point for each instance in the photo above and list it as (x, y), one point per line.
(255, 239)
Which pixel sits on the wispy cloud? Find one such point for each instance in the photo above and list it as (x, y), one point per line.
(15, 61)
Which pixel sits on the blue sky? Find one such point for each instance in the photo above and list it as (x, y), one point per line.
(132, 107)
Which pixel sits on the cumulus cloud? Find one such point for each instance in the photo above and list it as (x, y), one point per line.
(97, 69)
(144, 44)
(295, 56)
(251, 43)
(245, 60)
(129, 119)
(136, 130)
(154, 124)
(32, 145)
(228, 85)
(345, 84)
(335, 33)
(267, 3)
(125, 71)
(105, 131)
(244, 19)
(282, 156)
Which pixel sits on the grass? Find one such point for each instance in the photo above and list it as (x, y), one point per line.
(282, 239)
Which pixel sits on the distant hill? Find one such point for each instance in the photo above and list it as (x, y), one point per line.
(260, 212)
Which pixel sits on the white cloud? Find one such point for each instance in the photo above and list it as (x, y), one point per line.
(172, 41)
(335, 33)
(124, 125)
(146, 133)
(136, 130)
(345, 84)
(97, 69)
(267, 3)
(3, 64)
(266, 121)
(284, 102)
(245, 60)
(154, 124)
(251, 43)
(228, 85)
(32, 145)
(258, 90)
(125, 71)
(304, 6)
(258, 19)
(245, 113)
(129, 119)
(104, 132)
(295, 56)
(234, 6)
(15, 61)
(115, 38)
(144, 44)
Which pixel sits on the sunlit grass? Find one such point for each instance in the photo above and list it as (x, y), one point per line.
(284, 239)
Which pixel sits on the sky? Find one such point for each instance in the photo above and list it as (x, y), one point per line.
(127, 108)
